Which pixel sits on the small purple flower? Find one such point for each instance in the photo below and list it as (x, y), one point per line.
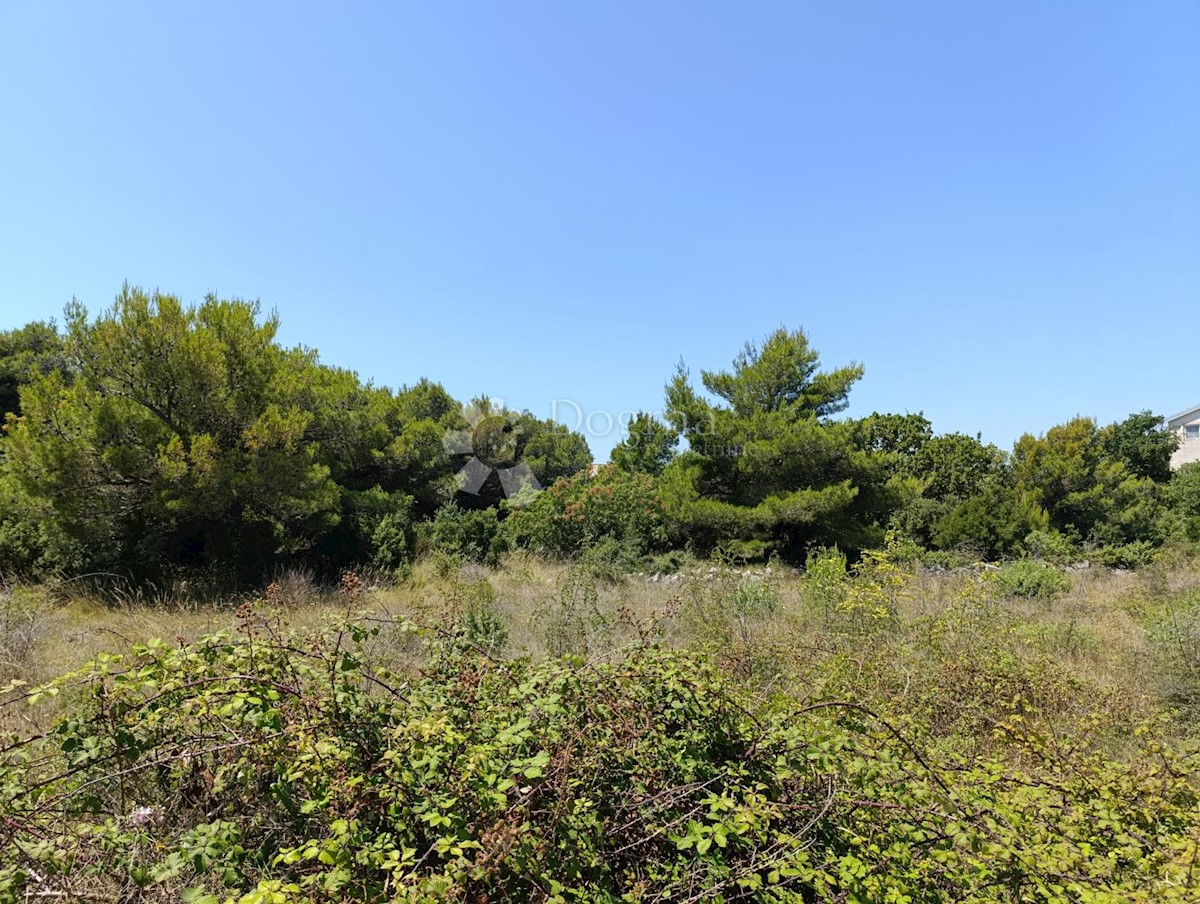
(142, 816)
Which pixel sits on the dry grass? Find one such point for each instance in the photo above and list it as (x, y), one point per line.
(1101, 646)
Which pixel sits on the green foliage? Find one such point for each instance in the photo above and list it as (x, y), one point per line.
(162, 436)
(954, 466)
(1073, 474)
(669, 562)
(581, 511)
(159, 439)
(755, 598)
(472, 534)
(1033, 579)
(482, 624)
(992, 523)
(779, 375)
(966, 499)
(283, 767)
(551, 450)
(648, 448)
(1183, 496)
(391, 541)
(26, 354)
(767, 467)
(900, 436)
(861, 600)
(1129, 556)
(159, 436)
(374, 528)
(1051, 546)
(32, 543)
(502, 440)
(1143, 444)
(182, 436)
(826, 578)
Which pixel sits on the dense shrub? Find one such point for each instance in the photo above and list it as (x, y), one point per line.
(472, 534)
(1052, 546)
(375, 528)
(278, 768)
(1031, 578)
(670, 562)
(1127, 555)
(577, 512)
(991, 524)
(1183, 494)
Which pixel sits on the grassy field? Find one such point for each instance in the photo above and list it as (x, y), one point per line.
(1124, 641)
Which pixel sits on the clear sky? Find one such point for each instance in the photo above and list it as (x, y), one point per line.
(995, 206)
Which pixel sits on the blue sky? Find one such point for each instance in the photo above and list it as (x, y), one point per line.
(994, 206)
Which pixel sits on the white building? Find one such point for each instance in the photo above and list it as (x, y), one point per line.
(1186, 425)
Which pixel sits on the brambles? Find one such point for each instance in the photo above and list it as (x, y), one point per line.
(297, 767)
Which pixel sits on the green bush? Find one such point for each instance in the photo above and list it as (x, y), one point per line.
(473, 534)
(482, 623)
(1031, 578)
(282, 768)
(391, 543)
(949, 559)
(670, 562)
(31, 543)
(754, 598)
(826, 579)
(610, 559)
(1052, 546)
(612, 506)
(1129, 556)
(375, 528)
(991, 524)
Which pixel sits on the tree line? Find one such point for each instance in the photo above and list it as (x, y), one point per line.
(162, 439)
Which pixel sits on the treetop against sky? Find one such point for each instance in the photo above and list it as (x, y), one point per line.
(995, 208)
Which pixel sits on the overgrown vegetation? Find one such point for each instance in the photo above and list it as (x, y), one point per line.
(874, 733)
(162, 442)
(795, 657)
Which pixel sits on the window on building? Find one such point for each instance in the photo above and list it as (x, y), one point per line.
(1191, 431)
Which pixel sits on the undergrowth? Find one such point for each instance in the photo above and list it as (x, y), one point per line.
(875, 733)
(266, 765)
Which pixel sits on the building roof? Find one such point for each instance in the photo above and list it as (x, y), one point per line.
(1188, 414)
